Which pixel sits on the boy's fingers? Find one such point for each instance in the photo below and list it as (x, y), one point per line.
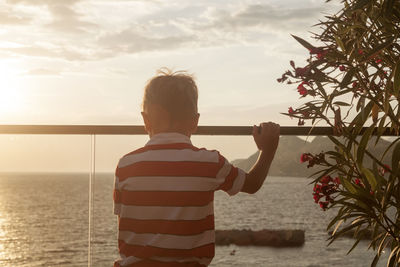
(267, 126)
(255, 130)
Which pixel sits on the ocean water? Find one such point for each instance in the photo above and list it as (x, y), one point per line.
(44, 222)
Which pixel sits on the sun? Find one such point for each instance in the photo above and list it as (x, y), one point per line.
(10, 96)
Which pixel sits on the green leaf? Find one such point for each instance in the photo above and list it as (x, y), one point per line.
(354, 245)
(381, 128)
(337, 218)
(370, 177)
(389, 147)
(349, 186)
(340, 103)
(376, 237)
(360, 103)
(321, 88)
(360, 4)
(396, 79)
(303, 42)
(337, 226)
(345, 230)
(359, 120)
(383, 243)
(363, 144)
(386, 197)
(340, 43)
(336, 142)
(347, 78)
(396, 158)
(375, 261)
(355, 206)
(392, 259)
(378, 48)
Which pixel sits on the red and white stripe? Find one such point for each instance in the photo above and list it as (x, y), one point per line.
(163, 195)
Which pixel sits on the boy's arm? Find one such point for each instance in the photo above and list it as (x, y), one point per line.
(266, 138)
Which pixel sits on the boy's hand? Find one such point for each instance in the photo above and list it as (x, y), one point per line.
(266, 136)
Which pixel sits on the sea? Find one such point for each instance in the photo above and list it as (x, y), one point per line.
(44, 222)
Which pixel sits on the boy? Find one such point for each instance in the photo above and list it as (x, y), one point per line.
(164, 191)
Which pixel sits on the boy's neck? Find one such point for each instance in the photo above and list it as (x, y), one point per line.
(180, 131)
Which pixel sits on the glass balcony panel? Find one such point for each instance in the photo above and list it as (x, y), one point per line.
(44, 200)
(44, 206)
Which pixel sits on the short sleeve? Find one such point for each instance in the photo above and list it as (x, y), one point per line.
(232, 178)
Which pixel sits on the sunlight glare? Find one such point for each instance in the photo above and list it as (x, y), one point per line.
(10, 96)
(2, 237)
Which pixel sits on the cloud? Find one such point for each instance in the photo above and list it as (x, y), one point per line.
(12, 19)
(40, 51)
(65, 17)
(212, 28)
(132, 41)
(79, 32)
(43, 2)
(263, 16)
(42, 72)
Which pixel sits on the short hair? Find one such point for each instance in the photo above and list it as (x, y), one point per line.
(176, 92)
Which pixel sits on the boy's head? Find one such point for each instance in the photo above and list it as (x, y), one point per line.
(170, 103)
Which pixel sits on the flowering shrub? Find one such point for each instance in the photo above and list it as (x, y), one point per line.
(325, 187)
(351, 82)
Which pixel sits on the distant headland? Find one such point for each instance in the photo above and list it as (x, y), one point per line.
(287, 158)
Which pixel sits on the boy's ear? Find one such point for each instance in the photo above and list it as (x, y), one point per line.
(146, 121)
(195, 122)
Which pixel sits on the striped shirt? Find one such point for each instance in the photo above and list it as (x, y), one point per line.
(163, 196)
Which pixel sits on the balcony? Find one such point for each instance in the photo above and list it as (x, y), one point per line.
(66, 218)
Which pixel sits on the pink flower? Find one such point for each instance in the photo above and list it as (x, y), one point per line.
(316, 197)
(315, 50)
(326, 179)
(301, 89)
(358, 182)
(304, 157)
(384, 169)
(317, 188)
(301, 71)
(329, 199)
(319, 52)
(323, 204)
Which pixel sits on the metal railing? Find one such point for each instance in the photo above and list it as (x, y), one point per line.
(139, 130)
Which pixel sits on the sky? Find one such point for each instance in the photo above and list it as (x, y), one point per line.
(87, 61)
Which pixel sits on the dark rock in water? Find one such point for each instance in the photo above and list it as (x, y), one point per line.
(273, 238)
